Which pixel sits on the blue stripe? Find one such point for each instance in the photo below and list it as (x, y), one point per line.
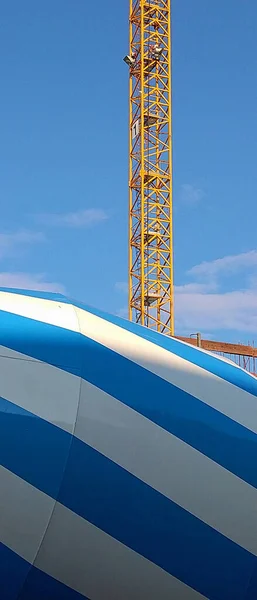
(54, 345)
(20, 581)
(33, 448)
(13, 573)
(127, 509)
(210, 363)
(223, 440)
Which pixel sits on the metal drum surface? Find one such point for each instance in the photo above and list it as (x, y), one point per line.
(128, 460)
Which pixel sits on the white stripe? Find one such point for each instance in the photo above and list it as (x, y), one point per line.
(176, 470)
(230, 400)
(24, 515)
(55, 313)
(42, 389)
(76, 552)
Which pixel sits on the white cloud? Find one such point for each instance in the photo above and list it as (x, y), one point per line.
(201, 305)
(122, 312)
(252, 280)
(77, 219)
(121, 286)
(10, 242)
(227, 265)
(190, 194)
(194, 288)
(29, 281)
(236, 310)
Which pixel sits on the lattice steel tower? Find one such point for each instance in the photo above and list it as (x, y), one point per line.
(150, 169)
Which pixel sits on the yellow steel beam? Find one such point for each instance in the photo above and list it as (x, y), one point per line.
(151, 301)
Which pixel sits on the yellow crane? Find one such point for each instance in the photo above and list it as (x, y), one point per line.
(151, 293)
(151, 288)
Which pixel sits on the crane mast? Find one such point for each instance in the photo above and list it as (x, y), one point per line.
(151, 294)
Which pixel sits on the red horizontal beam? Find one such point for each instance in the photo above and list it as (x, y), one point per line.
(224, 347)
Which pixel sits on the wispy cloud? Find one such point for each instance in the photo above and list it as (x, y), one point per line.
(190, 194)
(202, 304)
(77, 219)
(29, 281)
(196, 288)
(236, 310)
(122, 312)
(227, 265)
(10, 242)
(121, 286)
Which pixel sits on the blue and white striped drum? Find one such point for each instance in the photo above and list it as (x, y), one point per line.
(128, 460)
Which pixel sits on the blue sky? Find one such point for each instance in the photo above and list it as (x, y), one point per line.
(63, 156)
